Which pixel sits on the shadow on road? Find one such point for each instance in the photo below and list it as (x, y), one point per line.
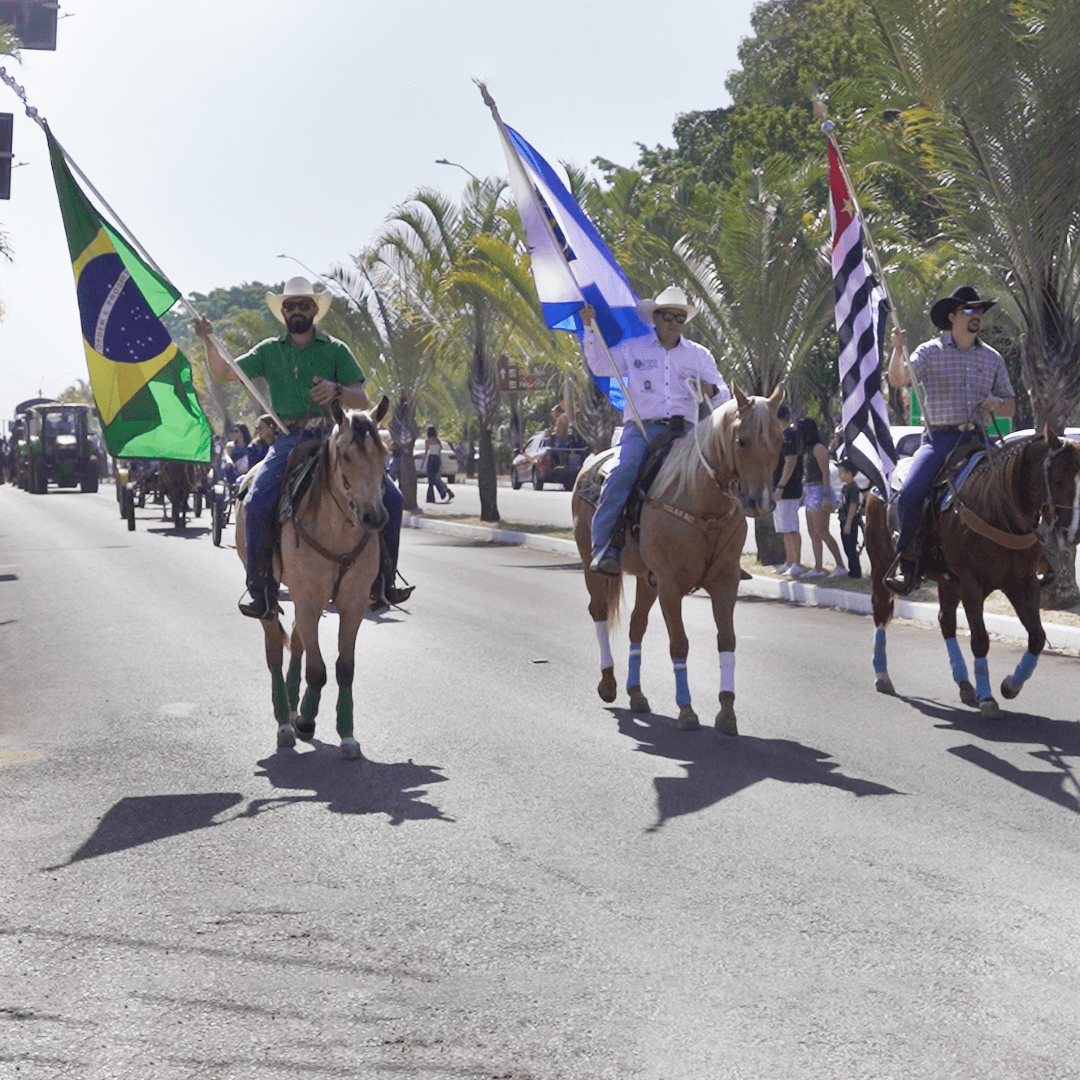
(1057, 740)
(718, 767)
(396, 789)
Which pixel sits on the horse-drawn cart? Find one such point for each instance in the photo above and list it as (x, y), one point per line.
(177, 486)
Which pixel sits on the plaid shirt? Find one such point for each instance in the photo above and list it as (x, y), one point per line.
(957, 380)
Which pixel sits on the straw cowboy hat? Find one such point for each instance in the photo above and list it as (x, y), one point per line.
(296, 288)
(671, 297)
(965, 296)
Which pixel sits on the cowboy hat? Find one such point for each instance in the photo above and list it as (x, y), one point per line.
(296, 288)
(965, 296)
(671, 297)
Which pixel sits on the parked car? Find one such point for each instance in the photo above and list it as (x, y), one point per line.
(541, 462)
(449, 468)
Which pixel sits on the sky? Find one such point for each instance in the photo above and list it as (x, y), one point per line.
(225, 133)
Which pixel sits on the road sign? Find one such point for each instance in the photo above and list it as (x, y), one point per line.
(511, 377)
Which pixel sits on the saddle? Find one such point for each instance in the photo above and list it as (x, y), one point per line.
(630, 516)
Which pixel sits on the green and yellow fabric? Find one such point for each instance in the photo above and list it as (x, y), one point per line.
(141, 381)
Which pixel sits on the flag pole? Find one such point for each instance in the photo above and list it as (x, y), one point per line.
(828, 129)
(489, 101)
(32, 112)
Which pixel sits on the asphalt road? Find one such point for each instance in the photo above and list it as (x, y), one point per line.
(518, 882)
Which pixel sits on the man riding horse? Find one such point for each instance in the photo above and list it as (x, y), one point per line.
(965, 385)
(305, 369)
(654, 369)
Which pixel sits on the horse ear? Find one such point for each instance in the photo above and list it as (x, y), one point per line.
(776, 397)
(1051, 436)
(740, 398)
(380, 409)
(337, 412)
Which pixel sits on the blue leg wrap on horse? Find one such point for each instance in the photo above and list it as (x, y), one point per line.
(881, 663)
(1025, 668)
(633, 675)
(682, 684)
(982, 679)
(956, 660)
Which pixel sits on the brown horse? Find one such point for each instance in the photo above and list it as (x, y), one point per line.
(692, 530)
(987, 540)
(329, 552)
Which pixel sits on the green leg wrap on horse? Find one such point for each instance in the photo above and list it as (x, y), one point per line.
(345, 712)
(292, 681)
(309, 708)
(280, 696)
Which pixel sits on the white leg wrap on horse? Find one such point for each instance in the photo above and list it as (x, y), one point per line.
(605, 646)
(727, 672)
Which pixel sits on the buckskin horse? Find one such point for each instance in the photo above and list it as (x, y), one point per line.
(986, 539)
(691, 535)
(329, 551)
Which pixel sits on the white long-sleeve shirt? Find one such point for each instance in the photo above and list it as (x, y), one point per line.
(655, 377)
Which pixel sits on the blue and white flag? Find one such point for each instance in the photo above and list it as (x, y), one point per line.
(571, 264)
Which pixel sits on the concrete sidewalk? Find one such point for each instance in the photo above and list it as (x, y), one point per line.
(1058, 636)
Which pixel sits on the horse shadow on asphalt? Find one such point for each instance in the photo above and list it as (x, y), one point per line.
(396, 789)
(1058, 740)
(718, 766)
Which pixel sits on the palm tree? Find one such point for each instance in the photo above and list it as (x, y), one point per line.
(996, 132)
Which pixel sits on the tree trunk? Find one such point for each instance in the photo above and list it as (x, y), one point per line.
(407, 479)
(487, 478)
(1062, 592)
(770, 543)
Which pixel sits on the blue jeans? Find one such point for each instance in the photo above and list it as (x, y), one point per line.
(928, 461)
(260, 505)
(629, 455)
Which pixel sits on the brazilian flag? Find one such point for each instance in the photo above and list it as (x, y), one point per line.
(141, 380)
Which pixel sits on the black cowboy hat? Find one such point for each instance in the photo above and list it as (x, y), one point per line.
(965, 296)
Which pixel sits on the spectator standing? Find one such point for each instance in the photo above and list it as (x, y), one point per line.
(817, 497)
(788, 490)
(850, 514)
(433, 467)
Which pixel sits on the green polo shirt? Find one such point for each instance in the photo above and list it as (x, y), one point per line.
(289, 370)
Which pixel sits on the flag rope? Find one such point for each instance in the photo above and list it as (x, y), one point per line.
(489, 101)
(223, 352)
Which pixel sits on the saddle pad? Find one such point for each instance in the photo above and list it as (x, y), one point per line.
(301, 465)
(591, 478)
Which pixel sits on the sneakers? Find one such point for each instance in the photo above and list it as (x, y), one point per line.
(607, 564)
(784, 569)
(839, 571)
(814, 572)
(795, 570)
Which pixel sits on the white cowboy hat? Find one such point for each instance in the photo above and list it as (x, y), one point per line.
(671, 297)
(298, 287)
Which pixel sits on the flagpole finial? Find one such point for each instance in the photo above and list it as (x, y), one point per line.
(489, 101)
(827, 126)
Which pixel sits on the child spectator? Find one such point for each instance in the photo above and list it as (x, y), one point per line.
(850, 512)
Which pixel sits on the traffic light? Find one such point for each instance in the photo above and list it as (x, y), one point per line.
(7, 120)
(34, 22)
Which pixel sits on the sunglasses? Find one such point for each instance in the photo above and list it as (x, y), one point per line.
(978, 310)
(672, 316)
(297, 305)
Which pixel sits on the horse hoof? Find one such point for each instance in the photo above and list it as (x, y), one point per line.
(725, 718)
(989, 709)
(1009, 689)
(286, 736)
(967, 693)
(607, 688)
(688, 719)
(884, 685)
(350, 748)
(638, 701)
(305, 731)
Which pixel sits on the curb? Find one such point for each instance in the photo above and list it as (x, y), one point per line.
(769, 588)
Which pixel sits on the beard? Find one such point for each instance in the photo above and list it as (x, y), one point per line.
(299, 323)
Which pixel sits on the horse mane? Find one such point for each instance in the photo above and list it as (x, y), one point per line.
(363, 427)
(682, 469)
(998, 486)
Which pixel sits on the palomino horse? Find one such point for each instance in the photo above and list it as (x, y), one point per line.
(986, 539)
(691, 536)
(329, 552)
